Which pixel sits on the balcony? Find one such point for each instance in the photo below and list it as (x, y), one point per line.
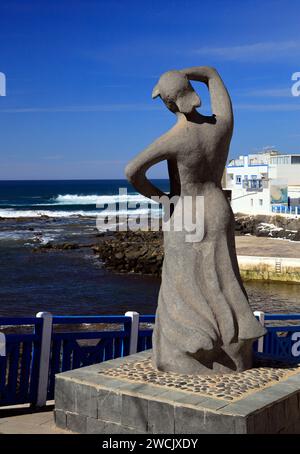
(255, 185)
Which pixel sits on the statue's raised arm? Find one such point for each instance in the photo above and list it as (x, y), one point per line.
(220, 99)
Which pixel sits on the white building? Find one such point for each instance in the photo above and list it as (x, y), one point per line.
(264, 182)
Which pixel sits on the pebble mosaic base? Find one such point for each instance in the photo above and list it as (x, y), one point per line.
(231, 387)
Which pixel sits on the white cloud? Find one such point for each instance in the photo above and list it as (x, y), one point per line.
(284, 107)
(252, 52)
(281, 107)
(267, 93)
(93, 108)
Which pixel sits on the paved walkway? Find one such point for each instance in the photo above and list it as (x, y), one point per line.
(22, 419)
(267, 247)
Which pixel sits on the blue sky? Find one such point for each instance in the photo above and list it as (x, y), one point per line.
(80, 76)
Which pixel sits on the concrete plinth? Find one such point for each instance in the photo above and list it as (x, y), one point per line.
(108, 398)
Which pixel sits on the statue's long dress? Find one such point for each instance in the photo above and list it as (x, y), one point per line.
(204, 322)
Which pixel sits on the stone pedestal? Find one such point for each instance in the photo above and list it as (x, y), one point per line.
(127, 395)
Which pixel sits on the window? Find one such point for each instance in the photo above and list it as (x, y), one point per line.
(295, 159)
(238, 179)
(279, 160)
(261, 202)
(251, 201)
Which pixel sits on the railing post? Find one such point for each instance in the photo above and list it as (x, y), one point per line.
(2, 344)
(44, 359)
(134, 332)
(261, 317)
(3, 365)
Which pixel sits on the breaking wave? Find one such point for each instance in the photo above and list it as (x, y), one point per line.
(93, 199)
(11, 213)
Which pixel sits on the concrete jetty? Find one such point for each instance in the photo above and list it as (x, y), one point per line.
(268, 259)
(282, 269)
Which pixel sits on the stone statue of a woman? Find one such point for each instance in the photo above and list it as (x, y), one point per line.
(204, 323)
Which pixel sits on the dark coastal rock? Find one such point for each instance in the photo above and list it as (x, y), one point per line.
(57, 246)
(268, 226)
(132, 252)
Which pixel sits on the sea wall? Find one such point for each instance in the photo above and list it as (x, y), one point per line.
(269, 268)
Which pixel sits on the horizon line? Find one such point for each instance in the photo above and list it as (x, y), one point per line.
(74, 179)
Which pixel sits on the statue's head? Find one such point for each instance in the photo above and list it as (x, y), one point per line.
(177, 93)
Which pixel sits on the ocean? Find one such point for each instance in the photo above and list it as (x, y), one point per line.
(33, 213)
(62, 199)
(65, 282)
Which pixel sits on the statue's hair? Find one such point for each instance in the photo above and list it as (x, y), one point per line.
(175, 90)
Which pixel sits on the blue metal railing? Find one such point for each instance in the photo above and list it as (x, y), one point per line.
(285, 209)
(19, 368)
(71, 350)
(107, 337)
(286, 317)
(282, 342)
(145, 335)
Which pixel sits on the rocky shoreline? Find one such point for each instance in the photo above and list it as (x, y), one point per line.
(141, 252)
(274, 226)
(132, 252)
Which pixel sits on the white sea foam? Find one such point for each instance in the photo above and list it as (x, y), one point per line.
(104, 205)
(15, 235)
(11, 213)
(75, 199)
